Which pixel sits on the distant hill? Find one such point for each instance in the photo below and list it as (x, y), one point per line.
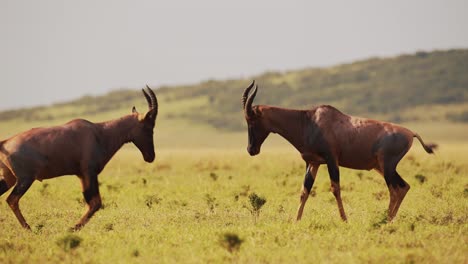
(403, 88)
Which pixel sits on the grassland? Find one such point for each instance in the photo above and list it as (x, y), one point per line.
(178, 209)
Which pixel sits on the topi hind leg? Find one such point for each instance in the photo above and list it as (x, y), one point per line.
(23, 167)
(8, 179)
(13, 199)
(392, 149)
(393, 195)
(396, 186)
(335, 189)
(3, 186)
(92, 198)
(398, 189)
(311, 172)
(334, 173)
(401, 190)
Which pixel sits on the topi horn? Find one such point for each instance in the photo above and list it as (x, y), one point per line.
(246, 92)
(153, 99)
(248, 104)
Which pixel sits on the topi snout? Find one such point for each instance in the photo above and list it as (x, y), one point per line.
(149, 157)
(253, 150)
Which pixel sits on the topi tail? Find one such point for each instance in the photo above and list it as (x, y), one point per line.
(429, 148)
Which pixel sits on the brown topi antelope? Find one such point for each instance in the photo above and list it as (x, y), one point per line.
(324, 135)
(77, 148)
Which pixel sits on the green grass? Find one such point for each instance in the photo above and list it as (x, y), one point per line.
(178, 208)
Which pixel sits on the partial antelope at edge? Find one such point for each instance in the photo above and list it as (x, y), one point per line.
(78, 147)
(324, 135)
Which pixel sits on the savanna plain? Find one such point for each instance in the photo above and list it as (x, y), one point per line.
(192, 205)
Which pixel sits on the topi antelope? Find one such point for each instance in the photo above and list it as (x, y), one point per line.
(324, 135)
(78, 147)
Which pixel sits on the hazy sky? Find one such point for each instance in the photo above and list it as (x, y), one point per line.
(59, 50)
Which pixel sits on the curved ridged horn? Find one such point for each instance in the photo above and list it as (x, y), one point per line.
(246, 92)
(153, 99)
(248, 104)
(148, 99)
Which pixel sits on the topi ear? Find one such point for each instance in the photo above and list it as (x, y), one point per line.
(134, 110)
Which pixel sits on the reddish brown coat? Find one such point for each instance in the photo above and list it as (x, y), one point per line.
(324, 135)
(78, 147)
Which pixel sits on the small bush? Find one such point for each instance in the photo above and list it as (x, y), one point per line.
(69, 242)
(230, 241)
(211, 202)
(213, 176)
(150, 200)
(44, 190)
(256, 203)
(39, 228)
(359, 174)
(109, 227)
(421, 178)
(382, 221)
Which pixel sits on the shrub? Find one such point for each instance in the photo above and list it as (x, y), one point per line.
(211, 202)
(213, 176)
(230, 241)
(421, 178)
(151, 200)
(256, 203)
(69, 242)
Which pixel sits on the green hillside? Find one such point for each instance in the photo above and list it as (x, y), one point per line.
(426, 86)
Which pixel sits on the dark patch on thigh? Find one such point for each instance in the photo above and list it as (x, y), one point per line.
(3, 186)
(27, 162)
(391, 145)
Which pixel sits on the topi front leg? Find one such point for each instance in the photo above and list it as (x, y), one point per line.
(309, 179)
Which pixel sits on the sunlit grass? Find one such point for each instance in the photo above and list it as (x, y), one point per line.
(161, 212)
